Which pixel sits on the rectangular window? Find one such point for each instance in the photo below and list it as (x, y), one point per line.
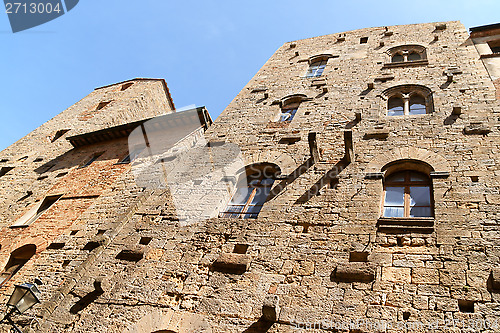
(35, 212)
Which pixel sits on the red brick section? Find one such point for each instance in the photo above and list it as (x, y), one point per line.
(80, 188)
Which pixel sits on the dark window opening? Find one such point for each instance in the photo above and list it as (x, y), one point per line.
(494, 46)
(240, 248)
(24, 158)
(56, 246)
(92, 159)
(101, 232)
(398, 58)
(38, 159)
(363, 40)
(17, 260)
(73, 232)
(466, 306)
(145, 240)
(126, 86)
(4, 170)
(102, 105)
(406, 315)
(59, 134)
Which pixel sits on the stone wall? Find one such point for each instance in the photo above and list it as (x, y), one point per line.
(319, 254)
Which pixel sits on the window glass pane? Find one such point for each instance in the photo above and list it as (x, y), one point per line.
(267, 181)
(420, 212)
(241, 196)
(417, 177)
(396, 178)
(394, 196)
(398, 58)
(393, 211)
(414, 56)
(417, 105)
(261, 195)
(287, 115)
(234, 208)
(420, 196)
(395, 107)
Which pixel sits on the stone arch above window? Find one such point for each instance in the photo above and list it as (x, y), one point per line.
(407, 55)
(18, 258)
(408, 100)
(422, 160)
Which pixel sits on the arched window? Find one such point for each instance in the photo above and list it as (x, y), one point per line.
(252, 191)
(407, 54)
(289, 106)
(408, 100)
(17, 260)
(317, 66)
(407, 194)
(417, 104)
(395, 106)
(397, 58)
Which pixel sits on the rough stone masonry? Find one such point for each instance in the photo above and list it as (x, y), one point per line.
(381, 213)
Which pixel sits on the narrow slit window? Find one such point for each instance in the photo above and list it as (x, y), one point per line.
(102, 105)
(131, 156)
(59, 134)
(92, 159)
(34, 213)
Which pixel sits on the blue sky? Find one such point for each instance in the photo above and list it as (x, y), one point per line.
(206, 50)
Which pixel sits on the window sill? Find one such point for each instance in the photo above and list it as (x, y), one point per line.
(19, 226)
(406, 224)
(406, 64)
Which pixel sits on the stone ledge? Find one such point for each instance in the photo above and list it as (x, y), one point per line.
(399, 225)
(477, 129)
(231, 263)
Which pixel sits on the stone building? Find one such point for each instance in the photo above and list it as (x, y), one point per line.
(368, 200)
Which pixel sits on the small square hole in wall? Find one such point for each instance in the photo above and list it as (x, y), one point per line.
(363, 40)
(240, 248)
(56, 246)
(62, 174)
(42, 177)
(66, 263)
(101, 231)
(145, 240)
(3, 160)
(406, 315)
(73, 232)
(466, 306)
(474, 179)
(38, 159)
(307, 113)
(358, 256)
(197, 181)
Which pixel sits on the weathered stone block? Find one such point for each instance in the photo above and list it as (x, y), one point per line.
(396, 274)
(354, 272)
(231, 263)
